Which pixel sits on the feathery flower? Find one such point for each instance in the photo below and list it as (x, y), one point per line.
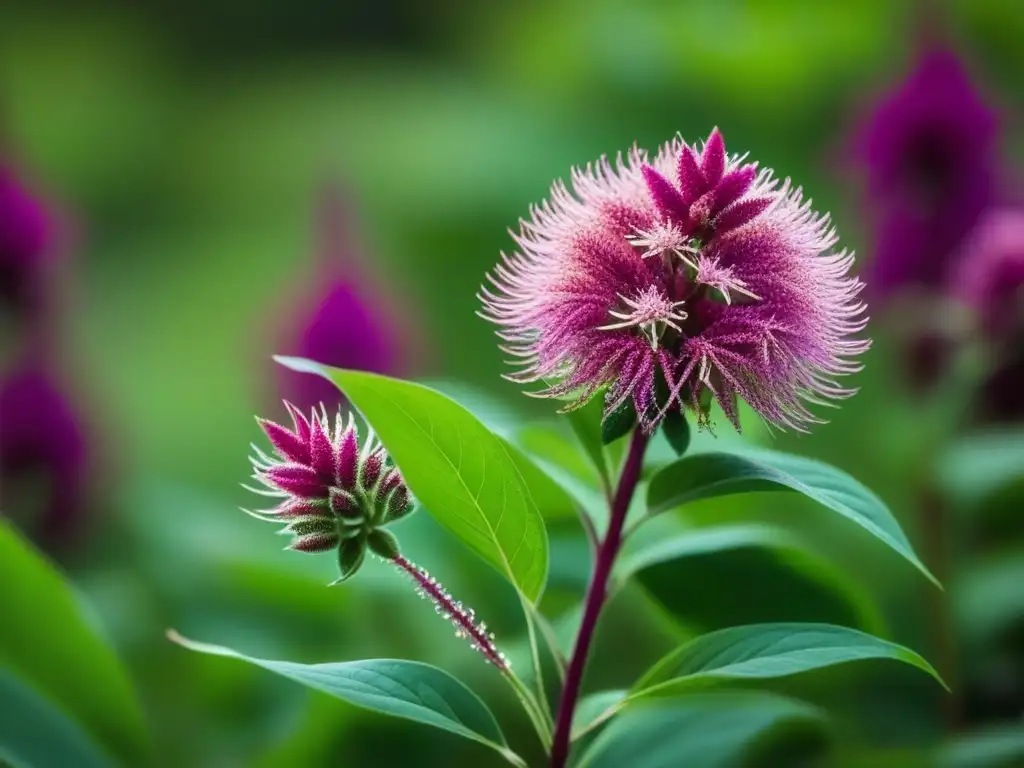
(25, 232)
(694, 274)
(335, 495)
(930, 153)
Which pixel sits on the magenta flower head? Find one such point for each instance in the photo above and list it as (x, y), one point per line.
(676, 280)
(332, 492)
(930, 152)
(43, 457)
(25, 234)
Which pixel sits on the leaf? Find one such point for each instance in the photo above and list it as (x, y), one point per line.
(49, 644)
(36, 734)
(761, 651)
(987, 599)
(457, 468)
(618, 423)
(406, 689)
(711, 475)
(998, 747)
(781, 579)
(979, 465)
(756, 652)
(677, 431)
(595, 708)
(706, 730)
(586, 425)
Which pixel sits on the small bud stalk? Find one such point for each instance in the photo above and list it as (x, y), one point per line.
(462, 618)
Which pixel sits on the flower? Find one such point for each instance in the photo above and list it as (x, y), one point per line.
(342, 319)
(25, 233)
(696, 270)
(43, 456)
(989, 276)
(332, 494)
(930, 153)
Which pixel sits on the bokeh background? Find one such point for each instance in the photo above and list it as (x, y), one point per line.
(218, 182)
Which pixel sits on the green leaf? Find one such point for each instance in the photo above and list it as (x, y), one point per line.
(781, 578)
(760, 651)
(979, 465)
(383, 543)
(618, 423)
(711, 475)
(595, 708)
(406, 689)
(36, 734)
(706, 730)
(757, 652)
(43, 623)
(456, 468)
(999, 747)
(677, 431)
(586, 425)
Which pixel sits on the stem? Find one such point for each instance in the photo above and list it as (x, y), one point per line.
(466, 626)
(597, 593)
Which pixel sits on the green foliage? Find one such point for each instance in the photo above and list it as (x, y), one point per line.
(618, 423)
(709, 475)
(457, 468)
(406, 689)
(48, 643)
(36, 734)
(709, 730)
(677, 431)
(782, 578)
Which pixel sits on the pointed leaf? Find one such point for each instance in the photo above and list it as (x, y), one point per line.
(586, 425)
(782, 578)
(48, 642)
(457, 469)
(710, 475)
(677, 431)
(406, 689)
(707, 730)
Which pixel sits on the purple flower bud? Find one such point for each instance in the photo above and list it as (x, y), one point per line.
(43, 457)
(930, 152)
(320, 500)
(344, 319)
(722, 282)
(25, 234)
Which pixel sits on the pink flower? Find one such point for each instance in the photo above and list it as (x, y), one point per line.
(329, 491)
(693, 267)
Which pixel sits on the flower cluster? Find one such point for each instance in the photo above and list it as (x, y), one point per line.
(333, 494)
(676, 280)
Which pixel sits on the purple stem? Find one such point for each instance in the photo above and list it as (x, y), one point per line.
(597, 592)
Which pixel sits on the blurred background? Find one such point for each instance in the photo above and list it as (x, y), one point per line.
(188, 188)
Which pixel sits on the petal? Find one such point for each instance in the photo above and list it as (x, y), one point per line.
(307, 526)
(371, 469)
(664, 196)
(316, 542)
(301, 424)
(691, 180)
(347, 459)
(321, 451)
(733, 186)
(287, 444)
(344, 504)
(741, 213)
(295, 479)
(713, 159)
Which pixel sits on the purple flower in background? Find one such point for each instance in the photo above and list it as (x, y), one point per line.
(990, 275)
(25, 234)
(42, 456)
(694, 267)
(344, 321)
(929, 150)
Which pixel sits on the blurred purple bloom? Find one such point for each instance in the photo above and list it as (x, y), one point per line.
(930, 150)
(42, 456)
(990, 275)
(344, 321)
(25, 231)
